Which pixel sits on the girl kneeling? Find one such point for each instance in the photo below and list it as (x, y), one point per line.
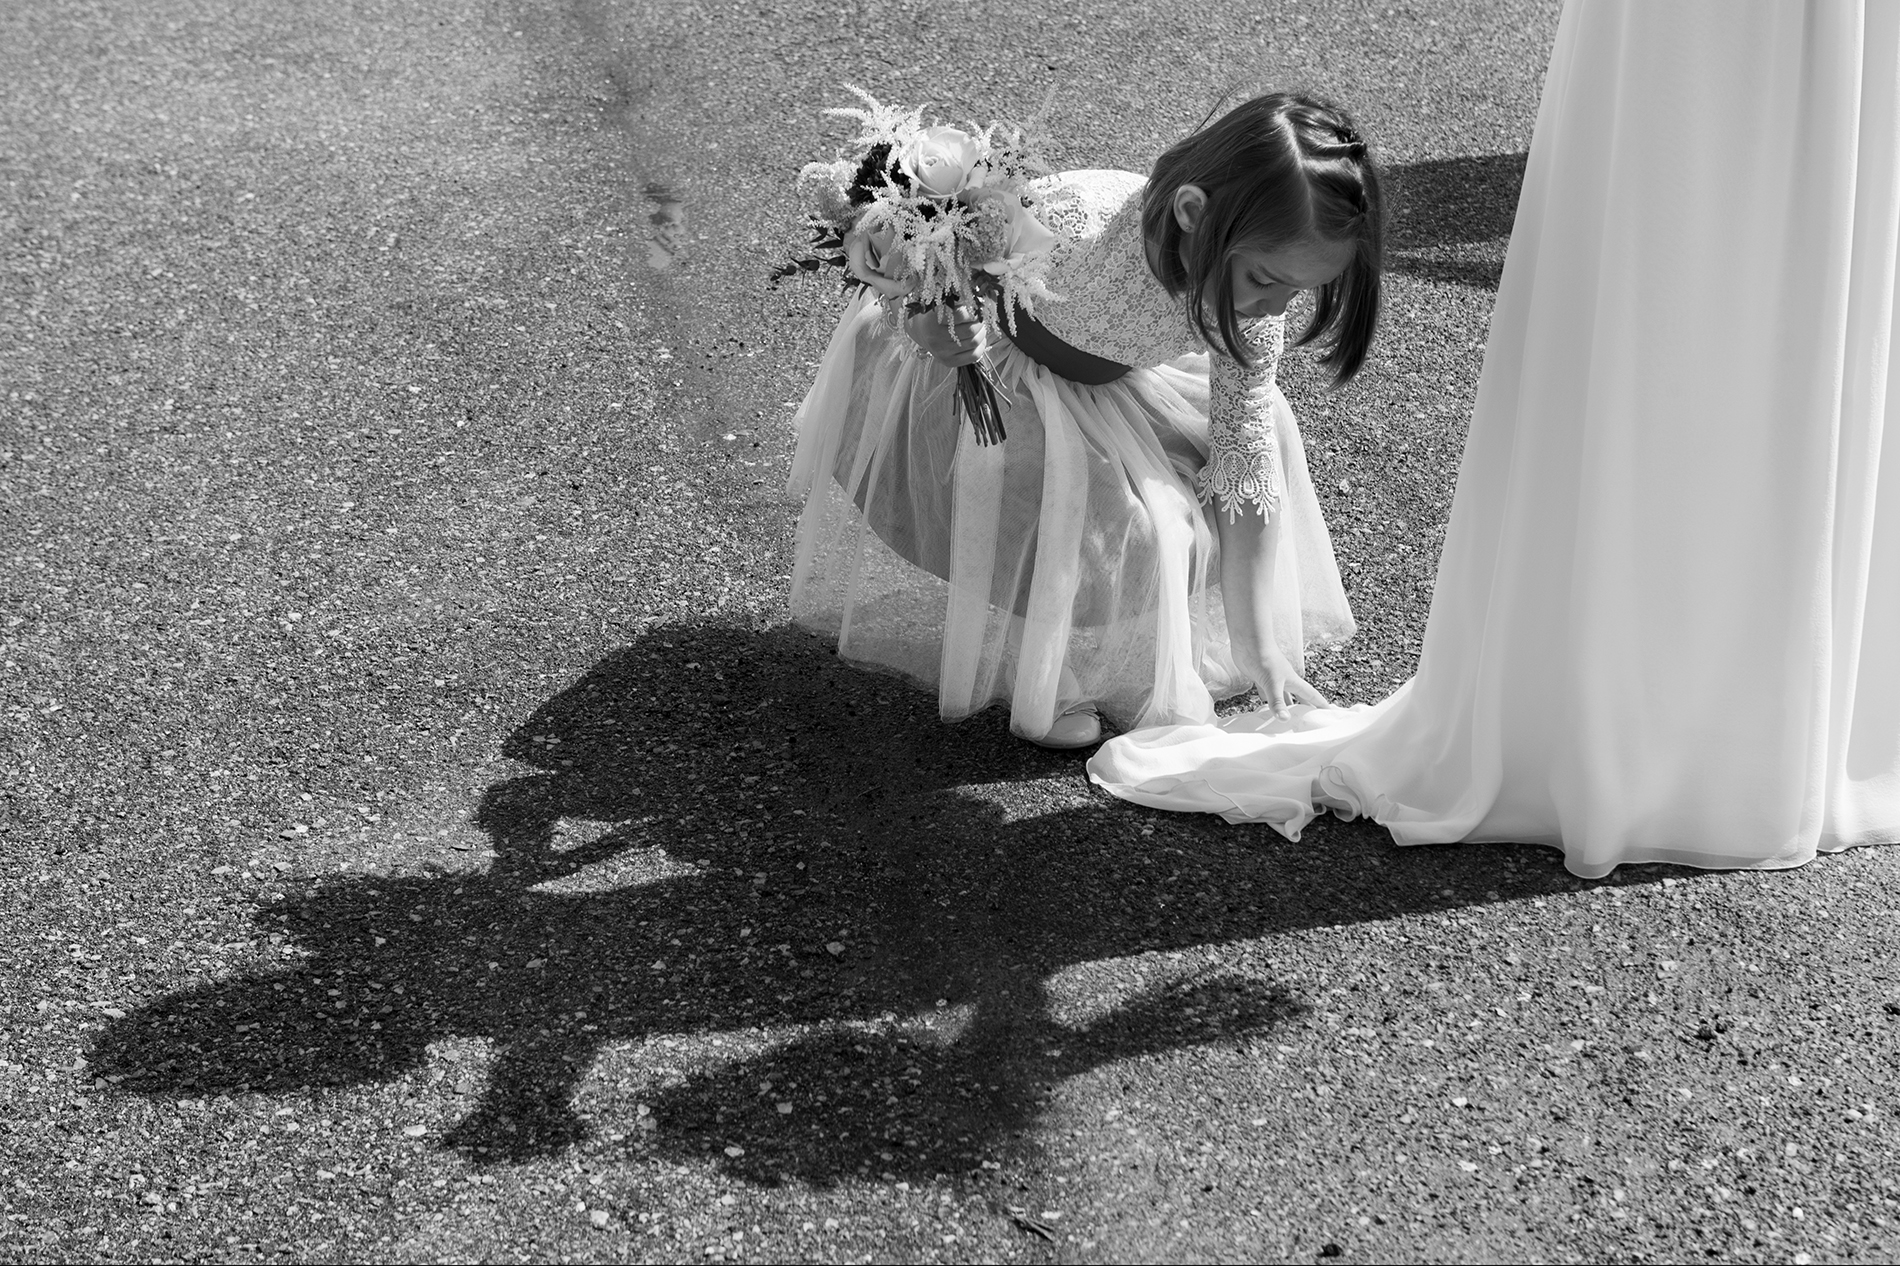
(1146, 540)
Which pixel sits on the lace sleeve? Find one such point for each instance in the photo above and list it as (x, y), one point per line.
(1243, 454)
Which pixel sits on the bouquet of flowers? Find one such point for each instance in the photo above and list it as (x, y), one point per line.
(935, 217)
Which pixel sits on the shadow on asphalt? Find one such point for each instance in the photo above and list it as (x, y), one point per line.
(813, 856)
(1451, 218)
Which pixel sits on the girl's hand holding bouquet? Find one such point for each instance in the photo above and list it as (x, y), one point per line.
(963, 340)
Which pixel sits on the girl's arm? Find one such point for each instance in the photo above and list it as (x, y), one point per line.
(1242, 480)
(1249, 546)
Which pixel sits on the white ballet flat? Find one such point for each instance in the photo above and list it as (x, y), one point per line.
(1080, 726)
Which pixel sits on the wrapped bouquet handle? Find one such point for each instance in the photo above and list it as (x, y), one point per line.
(980, 392)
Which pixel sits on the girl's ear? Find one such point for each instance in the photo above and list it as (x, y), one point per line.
(1190, 204)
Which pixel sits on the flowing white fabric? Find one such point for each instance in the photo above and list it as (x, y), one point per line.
(1667, 620)
(1070, 564)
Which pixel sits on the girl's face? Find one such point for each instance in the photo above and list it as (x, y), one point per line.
(1265, 281)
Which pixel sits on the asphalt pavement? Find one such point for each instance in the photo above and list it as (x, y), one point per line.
(425, 838)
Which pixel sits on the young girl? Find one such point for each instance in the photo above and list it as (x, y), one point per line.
(1146, 540)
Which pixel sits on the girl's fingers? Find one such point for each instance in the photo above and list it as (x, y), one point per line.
(1276, 694)
(1303, 692)
(956, 344)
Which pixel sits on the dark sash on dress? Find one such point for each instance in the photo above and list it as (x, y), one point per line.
(1034, 340)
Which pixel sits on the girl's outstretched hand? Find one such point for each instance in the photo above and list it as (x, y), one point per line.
(1249, 549)
(960, 341)
(1279, 685)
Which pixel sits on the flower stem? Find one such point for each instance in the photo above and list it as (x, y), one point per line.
(976, 389)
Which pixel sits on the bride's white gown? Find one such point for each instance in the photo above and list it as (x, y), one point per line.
(1667, 619)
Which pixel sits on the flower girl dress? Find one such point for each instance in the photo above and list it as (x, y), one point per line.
(1076, 562)
(1667, 620)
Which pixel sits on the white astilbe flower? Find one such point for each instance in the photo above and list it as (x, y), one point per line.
(882, 124)
(931, 245)
(1022, 281)
(1007, 150)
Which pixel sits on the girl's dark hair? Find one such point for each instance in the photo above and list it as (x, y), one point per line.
(1276, 170)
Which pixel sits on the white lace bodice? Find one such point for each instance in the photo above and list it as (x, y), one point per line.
(1111, 305)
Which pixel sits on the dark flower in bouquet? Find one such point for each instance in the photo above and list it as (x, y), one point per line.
(930, 218)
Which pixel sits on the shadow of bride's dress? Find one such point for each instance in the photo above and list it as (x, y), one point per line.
(1664, 622)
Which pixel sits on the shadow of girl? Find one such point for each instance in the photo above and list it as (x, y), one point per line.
(732, 831)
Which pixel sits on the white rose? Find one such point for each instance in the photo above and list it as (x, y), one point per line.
(941, 162)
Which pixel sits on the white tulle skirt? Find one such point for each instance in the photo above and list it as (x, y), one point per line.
(1070, 564)
(1667, 620)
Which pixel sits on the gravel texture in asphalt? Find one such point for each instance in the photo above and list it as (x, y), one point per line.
(425, 838)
